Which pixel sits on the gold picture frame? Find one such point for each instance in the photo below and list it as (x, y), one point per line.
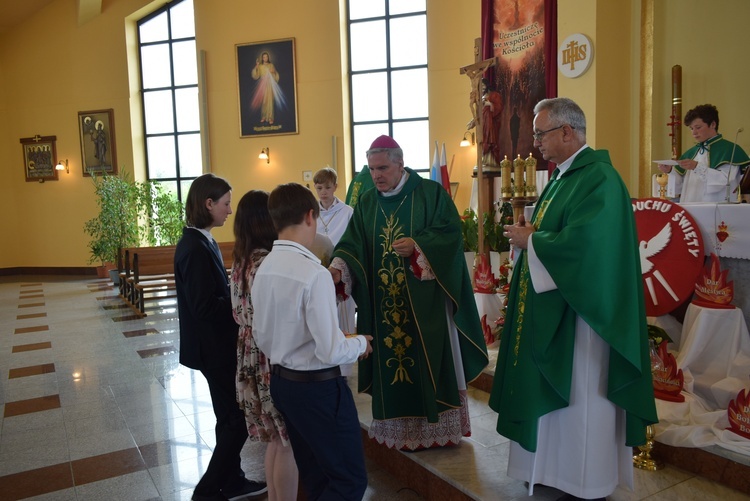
(267, 88)
(97, 133)
(39, 158)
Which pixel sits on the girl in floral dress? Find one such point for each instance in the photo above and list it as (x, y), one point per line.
(254, 235)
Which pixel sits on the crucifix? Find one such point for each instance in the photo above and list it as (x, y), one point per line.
(475, 72)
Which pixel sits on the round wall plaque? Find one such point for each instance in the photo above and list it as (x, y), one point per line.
(575, 54)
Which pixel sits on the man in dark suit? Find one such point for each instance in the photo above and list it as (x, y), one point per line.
(208, 334)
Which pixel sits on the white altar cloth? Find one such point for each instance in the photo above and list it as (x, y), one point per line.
(714, 355)
(737, 219)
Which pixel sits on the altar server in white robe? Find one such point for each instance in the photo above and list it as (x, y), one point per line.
(332, 221)
(711, 170)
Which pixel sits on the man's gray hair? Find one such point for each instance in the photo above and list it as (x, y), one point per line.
(394, 154)
(563, 110)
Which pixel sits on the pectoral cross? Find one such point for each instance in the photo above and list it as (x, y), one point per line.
(475, 72)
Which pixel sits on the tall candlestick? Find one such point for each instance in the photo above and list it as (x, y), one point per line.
(505, 190)
(530, 176)
(518, 183)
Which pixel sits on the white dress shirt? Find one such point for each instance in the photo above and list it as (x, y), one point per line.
(295, 321)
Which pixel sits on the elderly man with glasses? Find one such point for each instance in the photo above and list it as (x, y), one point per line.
(573, 386)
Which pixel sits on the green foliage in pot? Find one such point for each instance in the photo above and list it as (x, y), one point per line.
(163, 213)
(506, 217)
(131, 213)
(116, 224)
(470, 230)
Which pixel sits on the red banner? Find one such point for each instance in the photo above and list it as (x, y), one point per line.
(519, 41)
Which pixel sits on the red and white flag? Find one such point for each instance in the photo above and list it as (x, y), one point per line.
(444, 178)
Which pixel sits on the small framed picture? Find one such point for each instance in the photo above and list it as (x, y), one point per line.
(267, 87)
(39, 158)
(97, 132)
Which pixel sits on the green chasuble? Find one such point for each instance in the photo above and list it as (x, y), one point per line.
(586, 239)
(411, 370)
(361, 183)
(720, 152)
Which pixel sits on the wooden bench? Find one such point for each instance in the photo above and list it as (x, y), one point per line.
(125, 271)
(153, 272)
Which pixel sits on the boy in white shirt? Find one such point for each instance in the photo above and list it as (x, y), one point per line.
(296, 326)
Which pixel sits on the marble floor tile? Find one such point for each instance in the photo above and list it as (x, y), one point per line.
(130, 487)
(143, 428)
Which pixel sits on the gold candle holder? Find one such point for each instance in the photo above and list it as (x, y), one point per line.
(518, 184)
(643, 460)
(530, 176)
(505, 189)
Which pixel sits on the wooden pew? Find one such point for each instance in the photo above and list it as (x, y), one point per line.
(125, 272)
(153, 271)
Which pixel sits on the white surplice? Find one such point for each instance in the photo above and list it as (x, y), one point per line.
(704, 184)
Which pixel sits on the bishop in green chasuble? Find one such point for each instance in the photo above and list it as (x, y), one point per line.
(586, 239)
(410, 305)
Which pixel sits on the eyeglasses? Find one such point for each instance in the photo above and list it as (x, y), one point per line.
(539, 135)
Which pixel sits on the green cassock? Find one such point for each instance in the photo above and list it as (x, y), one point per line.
(586, 239)
(411, 371)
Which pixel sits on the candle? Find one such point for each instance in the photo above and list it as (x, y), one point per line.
(530, 176)
(505, 177)
(518, 184)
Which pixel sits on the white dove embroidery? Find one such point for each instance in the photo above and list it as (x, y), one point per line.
(653, 247)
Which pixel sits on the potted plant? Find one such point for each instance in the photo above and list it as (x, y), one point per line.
(116, 225)
(163, 214)
(470, 233)
(495, 241)
(470, 230)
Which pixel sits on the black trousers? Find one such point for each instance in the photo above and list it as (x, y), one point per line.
(224, 471)
(324, 430)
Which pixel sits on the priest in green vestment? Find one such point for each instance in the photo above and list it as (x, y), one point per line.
(573, 387)
(711, 170)
(401, 258)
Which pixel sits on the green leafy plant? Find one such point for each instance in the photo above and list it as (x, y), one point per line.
(657, 334)
(163, 213)
(506, 217)
(116, 224)
(470, 230)
(131, 213)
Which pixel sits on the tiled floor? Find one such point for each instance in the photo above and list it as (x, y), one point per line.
(95, 406)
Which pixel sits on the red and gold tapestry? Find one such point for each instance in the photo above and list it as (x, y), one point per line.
(523, 35)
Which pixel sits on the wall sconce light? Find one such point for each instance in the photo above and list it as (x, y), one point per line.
(465, 142)
(265, 155)
(63, 166)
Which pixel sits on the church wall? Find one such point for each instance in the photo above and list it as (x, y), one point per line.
(56, 68)
(709, 40)
(604, 91)
(450, 34)
(10, 164)
(51, 68)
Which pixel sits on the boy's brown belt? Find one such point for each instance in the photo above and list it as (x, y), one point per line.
(306, 376)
